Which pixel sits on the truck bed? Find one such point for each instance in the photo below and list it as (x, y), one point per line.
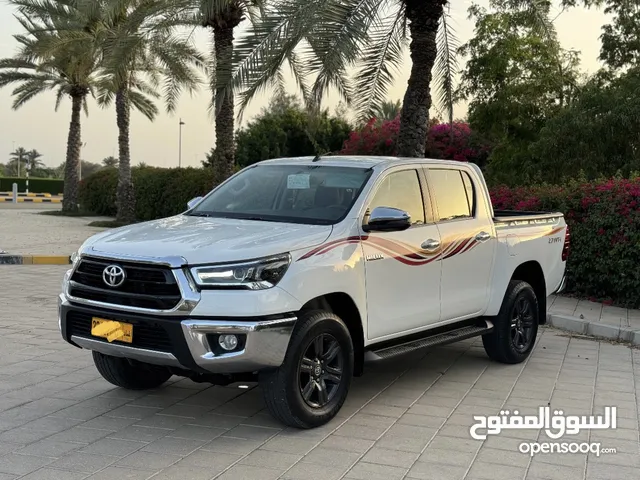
(506, 218)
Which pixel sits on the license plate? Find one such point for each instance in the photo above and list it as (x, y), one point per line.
(112, 330)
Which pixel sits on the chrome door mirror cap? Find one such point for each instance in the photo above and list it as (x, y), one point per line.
(387, 219)
(193, 202)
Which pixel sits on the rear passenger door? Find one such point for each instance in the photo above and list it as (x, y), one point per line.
(402, 270)
(467, 241)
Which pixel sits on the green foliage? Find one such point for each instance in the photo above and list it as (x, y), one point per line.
(53, 186)
(621, 38)
(604, 220)
(286, 129)
(597, 133)
(160, 192)
(516, 79)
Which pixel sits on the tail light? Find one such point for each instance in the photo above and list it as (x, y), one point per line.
(567, 243)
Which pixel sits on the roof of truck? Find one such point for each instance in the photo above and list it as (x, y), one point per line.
(362, 161)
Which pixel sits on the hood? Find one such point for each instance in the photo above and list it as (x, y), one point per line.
(207, 240)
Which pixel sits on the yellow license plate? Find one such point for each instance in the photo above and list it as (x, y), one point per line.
(112, 330)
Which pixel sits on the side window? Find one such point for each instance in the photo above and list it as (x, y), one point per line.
(454, 194)
(401, 190)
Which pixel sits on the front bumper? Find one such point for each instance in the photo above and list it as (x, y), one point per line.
(186, 343)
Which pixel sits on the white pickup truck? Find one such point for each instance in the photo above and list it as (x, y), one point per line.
(296, 272)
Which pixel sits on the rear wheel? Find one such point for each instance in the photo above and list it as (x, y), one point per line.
(132, 376)
(312, 383)
(516, 326)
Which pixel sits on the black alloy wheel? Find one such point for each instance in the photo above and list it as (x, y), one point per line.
(522, 321)
(320, 370)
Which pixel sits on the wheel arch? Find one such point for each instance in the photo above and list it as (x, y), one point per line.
(532, 273)
(343, 305)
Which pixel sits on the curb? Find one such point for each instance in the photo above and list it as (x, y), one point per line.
(10, 194)
(35, 260)
(31, 200)
(595, 329)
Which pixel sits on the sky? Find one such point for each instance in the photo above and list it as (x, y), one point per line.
(37, 126)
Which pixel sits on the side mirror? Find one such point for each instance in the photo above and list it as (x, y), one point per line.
(193, 202)
(387, 219)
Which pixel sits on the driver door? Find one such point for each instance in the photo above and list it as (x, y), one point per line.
(402, 270)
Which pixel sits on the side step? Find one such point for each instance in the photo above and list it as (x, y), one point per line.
(444, 338)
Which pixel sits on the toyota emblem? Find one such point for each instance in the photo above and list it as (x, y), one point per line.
(113, 275)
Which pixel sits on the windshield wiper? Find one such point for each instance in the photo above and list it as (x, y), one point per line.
(198, 214)
(258, 219)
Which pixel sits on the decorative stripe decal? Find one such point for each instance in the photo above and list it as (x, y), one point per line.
(408, 254)
(554, 231)
(401, 251)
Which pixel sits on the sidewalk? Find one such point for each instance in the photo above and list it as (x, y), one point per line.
(591, 318)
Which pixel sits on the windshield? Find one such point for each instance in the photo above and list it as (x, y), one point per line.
(314, 194)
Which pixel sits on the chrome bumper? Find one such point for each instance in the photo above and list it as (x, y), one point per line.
(265, 344)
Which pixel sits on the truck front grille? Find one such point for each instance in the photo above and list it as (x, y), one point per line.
(145, 286)
(147, 334)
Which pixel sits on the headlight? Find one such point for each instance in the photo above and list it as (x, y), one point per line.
(254, 275)
(75, 256)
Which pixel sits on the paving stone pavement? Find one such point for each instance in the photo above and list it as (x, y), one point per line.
(23, 231)
(409, 418)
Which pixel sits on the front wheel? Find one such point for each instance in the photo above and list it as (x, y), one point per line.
(516, 326)
(312, 383)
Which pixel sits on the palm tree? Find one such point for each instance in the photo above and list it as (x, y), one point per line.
(33, 161)
(369, 36)
(223, 16)
(141, 52)
(19, 156)
(110, 162)
(387, 110)
(138, 53)
(69, 71)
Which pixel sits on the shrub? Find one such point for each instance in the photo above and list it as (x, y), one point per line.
(286, 129)
(54, 186)
(375, 138)
(604, 218)
(444, 141)
(160, 192)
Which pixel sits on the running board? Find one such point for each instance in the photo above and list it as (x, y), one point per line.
(433, 341)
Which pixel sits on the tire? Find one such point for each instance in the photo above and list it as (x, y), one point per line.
(293, 391)
(121, 373)
(516, 326)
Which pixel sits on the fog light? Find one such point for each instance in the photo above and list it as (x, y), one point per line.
(228, 342)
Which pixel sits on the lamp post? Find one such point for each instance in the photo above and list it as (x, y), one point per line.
(180, 145)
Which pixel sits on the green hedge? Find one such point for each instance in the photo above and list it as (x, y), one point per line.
(160, 192)
(54, 186)
(604, 220)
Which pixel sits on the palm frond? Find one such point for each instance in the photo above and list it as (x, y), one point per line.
(265, 47)
(143, 104)
(27, 91)
(380, 61)
(59, 96)
(446, 66)
(336, 44)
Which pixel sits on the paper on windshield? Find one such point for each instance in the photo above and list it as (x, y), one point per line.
(298, 181)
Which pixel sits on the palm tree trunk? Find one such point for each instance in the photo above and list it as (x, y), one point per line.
(126, 201)
(224, 158)
(70, 200)
(424, 17)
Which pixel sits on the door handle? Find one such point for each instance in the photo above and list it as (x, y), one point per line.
(483, 236)
(430, 244)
